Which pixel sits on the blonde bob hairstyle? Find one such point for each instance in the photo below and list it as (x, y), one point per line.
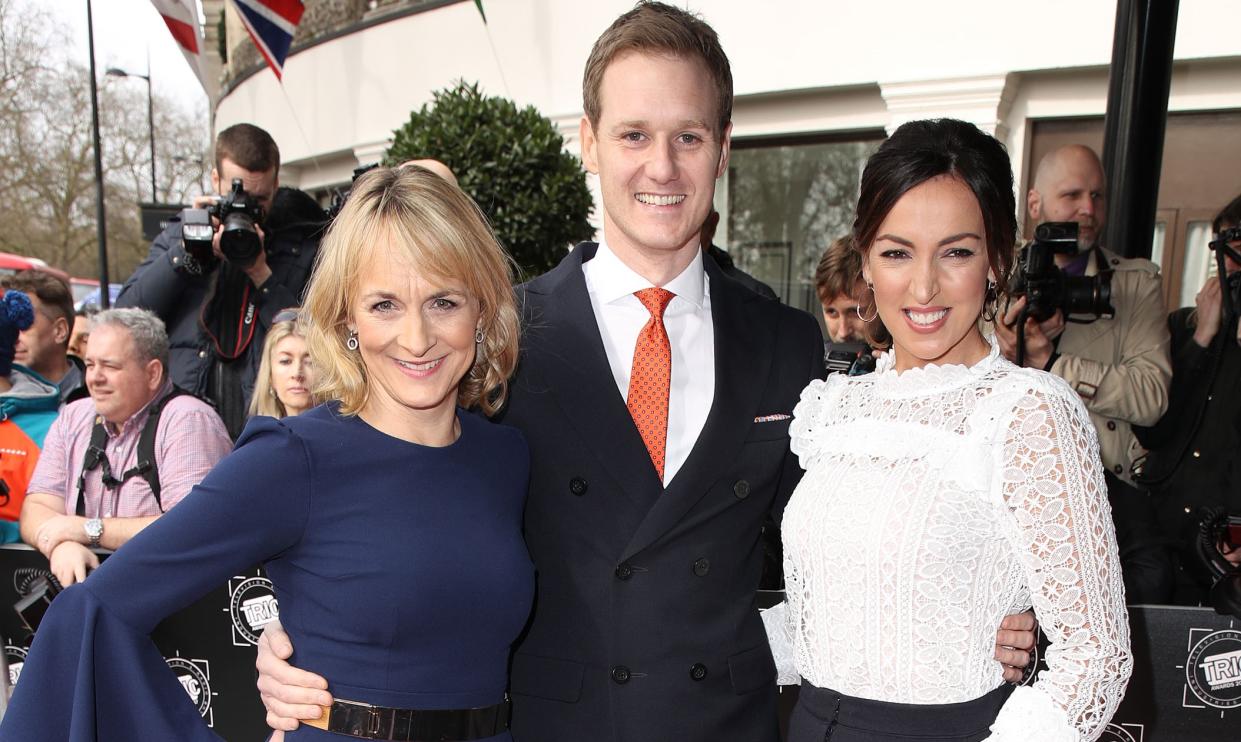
(443, 233)
(264, 400)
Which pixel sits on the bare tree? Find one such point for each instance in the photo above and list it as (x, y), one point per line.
(47, 181)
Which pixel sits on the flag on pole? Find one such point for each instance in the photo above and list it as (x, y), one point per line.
(271, 24)
(181, 17)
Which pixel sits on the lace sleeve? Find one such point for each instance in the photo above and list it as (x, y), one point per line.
(1052, 483)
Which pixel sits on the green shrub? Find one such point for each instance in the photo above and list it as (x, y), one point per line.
(512, 162)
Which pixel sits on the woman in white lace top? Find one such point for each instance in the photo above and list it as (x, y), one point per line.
(946, 490)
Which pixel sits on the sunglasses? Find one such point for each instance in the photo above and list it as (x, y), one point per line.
(286, 315)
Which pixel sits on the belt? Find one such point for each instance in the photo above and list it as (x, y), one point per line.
(356, 719)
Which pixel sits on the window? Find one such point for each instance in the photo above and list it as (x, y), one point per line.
(786, 201)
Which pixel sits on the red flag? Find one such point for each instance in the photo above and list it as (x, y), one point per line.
(181, 17)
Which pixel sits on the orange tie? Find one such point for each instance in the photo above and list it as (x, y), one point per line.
(651, 377)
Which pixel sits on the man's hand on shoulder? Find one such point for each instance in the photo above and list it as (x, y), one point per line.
(288, 694)
(71, 561)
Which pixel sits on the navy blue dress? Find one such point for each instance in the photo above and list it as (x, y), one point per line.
(400, 569)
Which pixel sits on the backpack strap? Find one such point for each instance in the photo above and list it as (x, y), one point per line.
(94, 455)
(146, 464)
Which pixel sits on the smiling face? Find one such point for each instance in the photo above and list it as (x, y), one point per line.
(292, 374)
(929, 269)
(42, 346)
(416, 339)
(657, 154)
(119, 382)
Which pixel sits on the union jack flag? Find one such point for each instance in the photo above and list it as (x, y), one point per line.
(271, 23)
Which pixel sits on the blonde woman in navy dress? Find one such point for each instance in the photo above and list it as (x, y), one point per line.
(946, 490)
(389, 520)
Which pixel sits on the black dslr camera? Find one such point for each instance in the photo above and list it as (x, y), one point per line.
(850, 359)
(338, 200)
(238, 213)
(1219, 528)
(1047, 288)
(1231, 283)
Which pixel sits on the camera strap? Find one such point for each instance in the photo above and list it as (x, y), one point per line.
(230, 314)
(145, 466)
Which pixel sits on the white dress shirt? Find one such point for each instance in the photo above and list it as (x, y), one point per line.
(687, 320)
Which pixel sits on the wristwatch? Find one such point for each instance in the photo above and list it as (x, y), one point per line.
(94, 529)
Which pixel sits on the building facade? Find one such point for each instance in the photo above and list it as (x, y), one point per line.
(818, 86)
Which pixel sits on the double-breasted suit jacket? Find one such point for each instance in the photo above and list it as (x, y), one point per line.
(645, 626)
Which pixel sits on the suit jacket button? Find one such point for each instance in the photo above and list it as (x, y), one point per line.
(620, 674)
(577, 486)
(624, 571)
(741, 489)
(1111, 424)
(701, 567)
(698, 671)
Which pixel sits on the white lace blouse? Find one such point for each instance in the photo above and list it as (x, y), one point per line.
(935, 502)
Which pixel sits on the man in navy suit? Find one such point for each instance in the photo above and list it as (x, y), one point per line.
(646, 535)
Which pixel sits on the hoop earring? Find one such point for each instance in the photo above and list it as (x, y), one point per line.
(858, 308)
(991, 303)
(352, 342)
(478, 336)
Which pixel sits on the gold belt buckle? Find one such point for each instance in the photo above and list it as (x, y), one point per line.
(324, 721)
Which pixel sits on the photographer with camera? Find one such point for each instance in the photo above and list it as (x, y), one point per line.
(1193, 463)
(1119, 365)
(840, 288)
(221, 271)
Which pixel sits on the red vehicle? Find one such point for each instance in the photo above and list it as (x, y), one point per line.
(10, 264)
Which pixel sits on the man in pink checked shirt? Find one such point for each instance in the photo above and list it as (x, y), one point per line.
(93, 485)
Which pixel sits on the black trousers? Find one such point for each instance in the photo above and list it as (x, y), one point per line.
(823, 715)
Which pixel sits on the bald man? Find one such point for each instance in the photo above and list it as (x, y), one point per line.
(1119, 366)
(436, 167)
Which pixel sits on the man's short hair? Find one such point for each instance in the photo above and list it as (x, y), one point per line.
(839, 270)
(657, 28)
(248, 146)
(1230, 214)
(53, 293)
(147, 330)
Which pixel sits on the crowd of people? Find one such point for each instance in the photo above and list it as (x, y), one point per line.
(537, 514)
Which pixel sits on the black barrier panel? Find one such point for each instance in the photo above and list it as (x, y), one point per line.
(209, 645)
(1186, 682)
(1187, 677)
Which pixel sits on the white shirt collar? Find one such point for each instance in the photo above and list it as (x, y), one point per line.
(611, 280)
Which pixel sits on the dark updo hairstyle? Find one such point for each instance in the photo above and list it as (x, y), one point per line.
(921, 150)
